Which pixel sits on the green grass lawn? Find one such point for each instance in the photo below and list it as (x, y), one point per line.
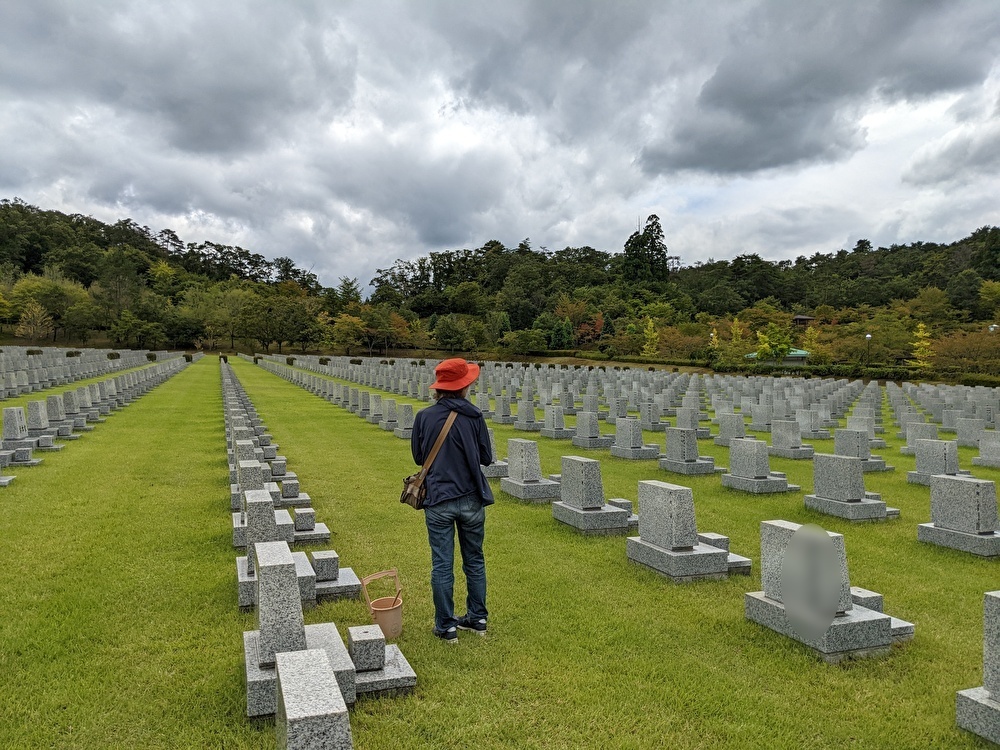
(119, 628)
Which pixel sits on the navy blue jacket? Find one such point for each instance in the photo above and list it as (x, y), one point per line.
(456, 471)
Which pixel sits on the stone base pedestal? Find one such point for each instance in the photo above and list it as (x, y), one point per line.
(561, 433)
(805, 452)
(403, 433)
(540, 491)
(319, 533)
(704, 465)
(984, 545)
(985, 461)
(859, 633)
(606, 521)
(395, 678)
(773, 483)
(918, 477)
(301, 500)
(645, 453)
(702, 562)
(870, 509)
(593, 442)
(261, 683)
(496, 470)
(977, 712)
(817, 435)
(875, 463)
(347, 585)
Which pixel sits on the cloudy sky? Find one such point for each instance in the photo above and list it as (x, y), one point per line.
(347, 134)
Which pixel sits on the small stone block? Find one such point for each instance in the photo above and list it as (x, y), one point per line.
(366, 645)
(714, 540)
(305, 519)
(311, 711)
(866, 598)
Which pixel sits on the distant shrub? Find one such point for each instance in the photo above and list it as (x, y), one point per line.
(357, 361)
(73, 354)
(289, 361)
(383, 361)
(256, 359)
(324, 361)
(188, 358)
(979, 378)
(114, 355)
(33, 351)
(151, 356)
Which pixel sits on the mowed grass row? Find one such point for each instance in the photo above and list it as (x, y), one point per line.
(588, 650)
(118, 619)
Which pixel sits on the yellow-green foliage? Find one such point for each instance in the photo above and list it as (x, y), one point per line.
(923, 351)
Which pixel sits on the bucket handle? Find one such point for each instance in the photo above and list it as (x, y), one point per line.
(374, 577)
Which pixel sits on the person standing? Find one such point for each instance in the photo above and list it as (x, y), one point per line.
(457, 496)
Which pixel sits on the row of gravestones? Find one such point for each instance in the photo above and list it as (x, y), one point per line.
(839, 488)
(964, 516)
(305, 675)
(668, 540)
(771, 404)
(24, 373)
(61, 417)
(651, 395)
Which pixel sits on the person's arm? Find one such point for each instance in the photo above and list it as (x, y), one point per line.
(486, 456)
(415, 439)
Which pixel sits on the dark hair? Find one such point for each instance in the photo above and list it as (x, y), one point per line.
(438, 394)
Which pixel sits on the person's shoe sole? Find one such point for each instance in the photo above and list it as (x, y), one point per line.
(480, 633)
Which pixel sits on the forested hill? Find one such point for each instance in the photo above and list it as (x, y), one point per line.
(31, 239)
(526, 282)
(73, 277)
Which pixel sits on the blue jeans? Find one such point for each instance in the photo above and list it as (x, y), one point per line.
(468, 515)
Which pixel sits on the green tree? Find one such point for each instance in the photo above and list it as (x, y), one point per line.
(127, 329)
(120, 280)
(645, 257)
(347, 331)
(650, 339)
(526, 341)
(82, 318)
(35, 323)
(773, 343)
(963, 291)
(449, 333)
(989, 299)
(819, 354)
(923, 349)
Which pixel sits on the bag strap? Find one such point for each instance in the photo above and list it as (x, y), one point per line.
(437, 446)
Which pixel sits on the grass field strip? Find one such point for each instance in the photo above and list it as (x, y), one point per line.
(64, 416)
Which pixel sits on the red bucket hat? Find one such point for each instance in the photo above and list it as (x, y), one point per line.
(454, 375)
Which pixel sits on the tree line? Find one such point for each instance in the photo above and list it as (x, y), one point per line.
(72, 277)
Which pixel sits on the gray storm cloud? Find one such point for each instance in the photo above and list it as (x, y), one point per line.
(348, 134)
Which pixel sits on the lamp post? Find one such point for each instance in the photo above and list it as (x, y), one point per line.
(868, 358)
